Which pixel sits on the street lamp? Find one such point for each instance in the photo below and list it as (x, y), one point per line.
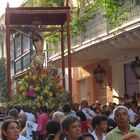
(135, 66)
(99, 73)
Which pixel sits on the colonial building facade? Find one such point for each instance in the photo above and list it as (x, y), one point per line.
(112, 49)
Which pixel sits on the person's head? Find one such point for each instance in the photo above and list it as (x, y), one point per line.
(100, 123)
(71, 127)
(86, 136)
(18, 107)
(36, 111)
(58, 116)
(121, 116)
(133, 105)
(126, 96)
(104, 108)
(111, 107)
(26, 108)
(131, 136)
(13, 112)
(44, 109)
(22, 118)
(75, 107)
(37, 42)
(66, 108)
(53, 128)
(2, 110)
(127, 104)
(97, 103)
(84, 103)
(10, 130)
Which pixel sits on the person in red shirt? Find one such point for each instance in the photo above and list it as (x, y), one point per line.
(42, 120)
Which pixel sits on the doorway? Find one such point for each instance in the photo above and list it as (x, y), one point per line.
(131, 83)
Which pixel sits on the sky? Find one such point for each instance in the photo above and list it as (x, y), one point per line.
(12, 3)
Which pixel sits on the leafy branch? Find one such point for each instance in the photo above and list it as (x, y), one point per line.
(113, 10)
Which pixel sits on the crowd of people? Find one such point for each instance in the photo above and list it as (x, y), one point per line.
(72, 122)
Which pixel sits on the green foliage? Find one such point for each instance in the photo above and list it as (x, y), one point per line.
(53, 38)
(43, 3)
(137, 2)
(113, 10)
(3, 83)
(78, 24)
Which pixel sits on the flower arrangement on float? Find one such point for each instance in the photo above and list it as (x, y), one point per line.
(40, 87)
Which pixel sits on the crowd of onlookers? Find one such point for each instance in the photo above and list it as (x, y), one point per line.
(72, 121)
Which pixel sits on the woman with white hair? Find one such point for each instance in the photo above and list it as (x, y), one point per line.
(58, 116)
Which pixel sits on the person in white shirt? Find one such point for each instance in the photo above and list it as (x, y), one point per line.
(22, 120)
(30, 117)
(132, 111)
(21, 137)
(100, 126)
(86, 110)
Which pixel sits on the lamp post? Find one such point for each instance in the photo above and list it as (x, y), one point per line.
(99, 73)
(135, 67)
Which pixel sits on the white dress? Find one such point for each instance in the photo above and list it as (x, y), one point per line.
(95, 136)
(37, 60)
(22, 137)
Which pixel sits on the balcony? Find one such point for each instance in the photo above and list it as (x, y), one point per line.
(98, 31)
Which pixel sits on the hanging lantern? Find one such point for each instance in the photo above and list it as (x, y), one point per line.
(135, 67)
(99, 73)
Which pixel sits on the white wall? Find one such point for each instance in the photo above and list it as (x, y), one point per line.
(66, 79)
(118, 80)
